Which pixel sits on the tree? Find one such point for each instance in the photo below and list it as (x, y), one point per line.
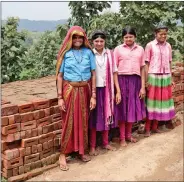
(84, 11)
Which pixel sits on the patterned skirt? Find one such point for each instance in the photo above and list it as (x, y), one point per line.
(160, 105)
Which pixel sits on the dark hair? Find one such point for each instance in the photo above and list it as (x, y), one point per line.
(160, 28)
(128, 30)
(98, 33)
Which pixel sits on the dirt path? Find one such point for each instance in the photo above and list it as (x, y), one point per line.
(157, 158)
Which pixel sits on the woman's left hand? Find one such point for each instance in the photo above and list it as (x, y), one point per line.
(142, 93)
(92, 103)
(118, 97)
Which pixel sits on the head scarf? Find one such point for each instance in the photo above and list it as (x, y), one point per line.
(67, 44)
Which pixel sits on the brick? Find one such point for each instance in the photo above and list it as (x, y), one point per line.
(57, 142)
(16, 153)
(57, 109)
(21, 170)
(46, 137)
(49, 160)
(3, 146)
(22, 152)
(7, 173)
(17, 136)
(9, 109)
(29, 142)
(27, 167)
(47, 111)
(10, 129)
(53, 102)
(4, 121)
(8, 138)
(34, 132)
(48, 128)
(39, 147)
(52, 110)
(35, 172)
(5, 102)
(57, 125)
(27, 117)
(44, 121)
(9, 164)
(27, 151)
(26, 107)
(19, 178)
(28, 125)
(44, 161)
(50, 143)
(41, 104)
(39, 114)
(14, 119)
(8, 154)
(23, 134)
(31, 158)
(34, 149)
(57, 133)
(46, 153)
(28, 134)
(38, 164)
(40, 130)
(56, 117)
(15, 171)
(45, 146)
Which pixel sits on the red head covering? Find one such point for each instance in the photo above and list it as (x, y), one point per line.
(67, 44)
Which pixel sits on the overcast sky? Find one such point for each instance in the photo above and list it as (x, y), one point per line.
(41, 10)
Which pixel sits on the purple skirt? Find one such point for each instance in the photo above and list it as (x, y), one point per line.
(97, 116)
(131, 108)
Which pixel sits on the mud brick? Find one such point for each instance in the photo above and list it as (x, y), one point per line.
(49, 160)
(28, 125)
(7, 173)
(41, 104)
(40, 130)
(34, 149)
(4, 121)
(34, 173)
(27, 167)
(45, 146)
(8, 154)
(34, 132)
(27, 107)
(21, 170)
(56, 126)
(46, 153)
(44, 161)
(22, 152)
(9, 109)
(47, 111)
(57, 142)
(48, 128)
(44, 121)
(56, 109)
(9, 164)
(53, 102)
(56, 117)
(28, 134)
(27, 151)
(59, 124)
(16, 153)
(18, 178)
(23, 134)
(39, 114)
(15, 171)
(39, 147)
(50, 143)
(27, 117)
(14, 119)
(17, 136)
(29, 142)
(52, 110)
(182, 77)
(11, 129)
(8, 138)
(3, 146)
(46, 137)
(31, 158)
(38, 164)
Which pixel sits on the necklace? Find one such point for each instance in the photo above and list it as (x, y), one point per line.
(101, 65)
(79, 61)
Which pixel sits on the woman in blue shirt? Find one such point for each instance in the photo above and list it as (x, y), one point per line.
(76, 86)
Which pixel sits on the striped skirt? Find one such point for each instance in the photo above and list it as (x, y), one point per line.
(160, 105)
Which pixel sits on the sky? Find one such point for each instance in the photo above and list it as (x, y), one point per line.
(41, 10)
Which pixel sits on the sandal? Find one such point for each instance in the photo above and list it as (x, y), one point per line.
(132, 140)
(156, 131)
(147, 134)
(93, 152)
(85, 158)
(109, 147)
(63, 167)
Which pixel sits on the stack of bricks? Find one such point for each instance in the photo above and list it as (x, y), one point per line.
(30, 137)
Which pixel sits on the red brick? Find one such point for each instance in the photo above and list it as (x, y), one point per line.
(27, 167)
(48, 128)
(28, 134)
(44, 121)
(28, 125)
(58, 125)
(56, 117)
(3, 146)
(34, 149)
(21, 170)
(27, 117)
(34, 132)
(52, 110)
(41, 104)
(50, 143)
(10, 129)
(29, 142)
(40, 130)
(16, 153)
(9, 109)
(47, 111)
(39, 114)
(7, 173)
(45, 146)
(14, 119)
(17, 136)
(22, 152)
(23, 134)
(4, 121)
(15, 171)
(28, 151)
(21, 177)
(53, 102)
(46, 137)
(31, 158)
(9, 164)
(27, 107)
(39, 147)
(46, 153)
(8, 154)
(57, 109)
(8, 138)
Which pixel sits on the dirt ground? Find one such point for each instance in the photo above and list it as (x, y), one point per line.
(157, 158)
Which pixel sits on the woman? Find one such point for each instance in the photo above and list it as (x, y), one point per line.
(75, 75)
(158, 57)
(101, 118)
(129, 58)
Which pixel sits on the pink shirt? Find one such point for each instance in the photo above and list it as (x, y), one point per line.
(159, 56)
(129, 60)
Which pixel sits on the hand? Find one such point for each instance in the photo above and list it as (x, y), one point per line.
(118, 97)
(142, 93)
(173, 85)
(92, 103)
(61, 104)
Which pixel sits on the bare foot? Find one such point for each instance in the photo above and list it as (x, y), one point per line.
(93, 152)
(147, 134)
(85, 158)
(109, 147)
(62, 163)
(123, 143)
(156, 131)
(132, 140)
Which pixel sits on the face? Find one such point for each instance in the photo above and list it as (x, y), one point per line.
(99, 44)
(161, 36)
(129, 39)
(77, 41)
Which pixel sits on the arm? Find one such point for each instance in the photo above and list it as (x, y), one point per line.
(116, 83)
(93, 96)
